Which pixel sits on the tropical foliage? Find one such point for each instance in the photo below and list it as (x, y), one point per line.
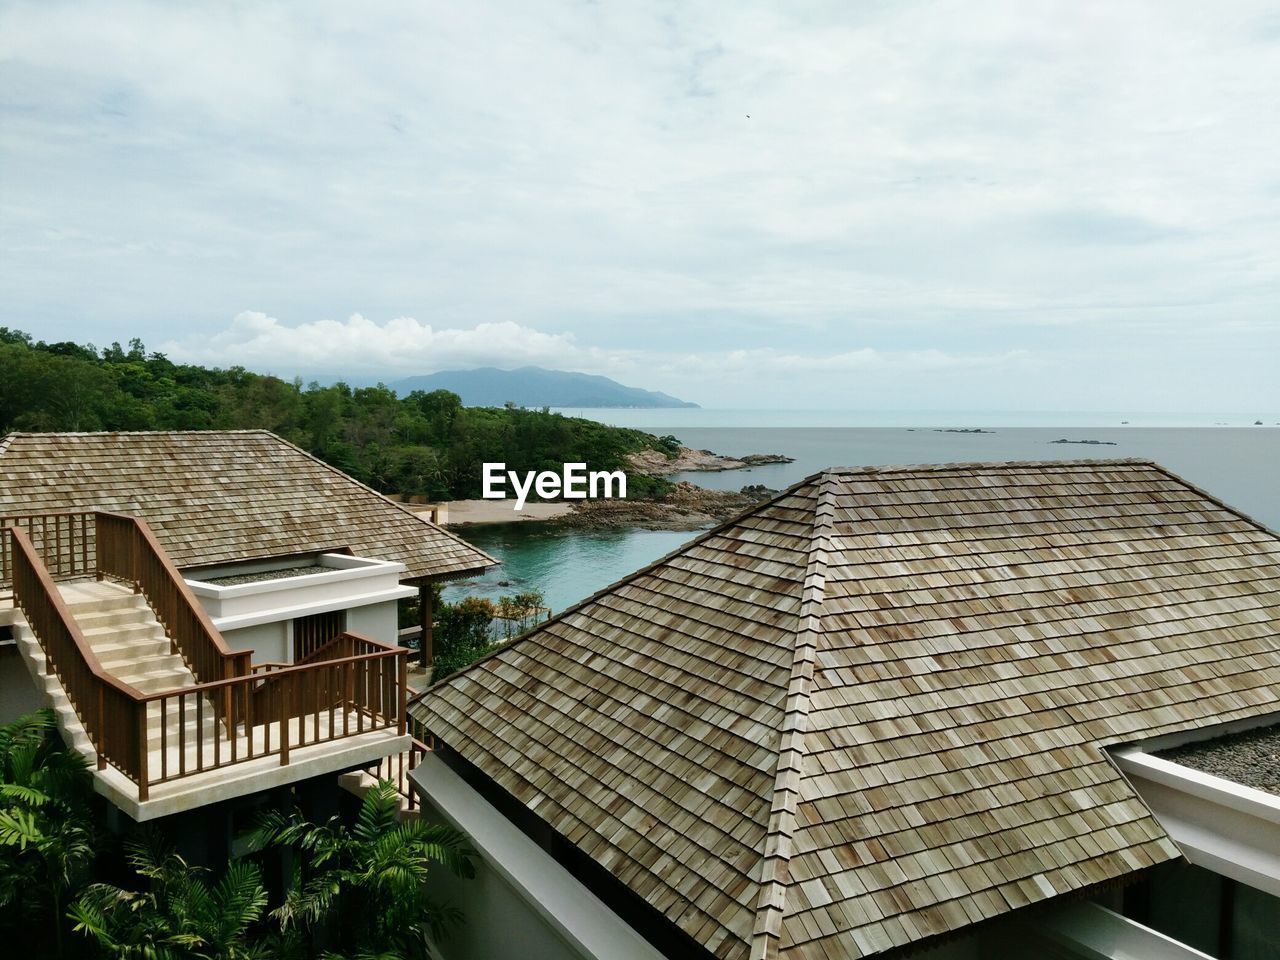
(361, 891)
(466, 630)
(354, 891)
(424, 444)
(47, 830)
(179, 915)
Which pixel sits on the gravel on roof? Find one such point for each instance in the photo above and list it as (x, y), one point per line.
(1251, 758)
(263, 575)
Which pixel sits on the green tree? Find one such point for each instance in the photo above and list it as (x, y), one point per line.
(462, 634)
(361, 891)
(46, 825)
(423, 443)
(179, 915)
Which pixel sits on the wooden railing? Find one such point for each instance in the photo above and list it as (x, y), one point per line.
(281, 708)
(65, 541)
(397, 768)
(376, 692)
(110, 710)
(351, 686)
(128, 550)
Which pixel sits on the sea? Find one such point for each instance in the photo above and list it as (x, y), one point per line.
(1233, 456)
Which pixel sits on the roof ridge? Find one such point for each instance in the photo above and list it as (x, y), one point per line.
(647, 568)
(775, 865)
(1212, 498)
(992, 465)
(134, 433)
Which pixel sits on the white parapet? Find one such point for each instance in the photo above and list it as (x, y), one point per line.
(1087, 931)
(346, 582)
(1221, 825)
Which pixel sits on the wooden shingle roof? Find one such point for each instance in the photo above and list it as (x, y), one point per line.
(215, 496)
(875, 709)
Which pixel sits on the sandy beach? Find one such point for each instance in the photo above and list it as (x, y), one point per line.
(463, 512)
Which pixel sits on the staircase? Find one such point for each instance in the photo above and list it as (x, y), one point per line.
(125, 636)
(131, 646)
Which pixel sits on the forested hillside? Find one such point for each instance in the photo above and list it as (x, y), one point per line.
(421, 444)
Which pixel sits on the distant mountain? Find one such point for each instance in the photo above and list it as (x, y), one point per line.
(536, 387)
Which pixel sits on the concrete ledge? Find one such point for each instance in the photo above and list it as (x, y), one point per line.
(346, 582)
(1092, 932)
(251, 776)
(280, 614)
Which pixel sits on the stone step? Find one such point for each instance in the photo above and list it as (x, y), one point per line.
(127, 664)
(159, 681)
(114, 603)
(117, 616)
(125, 651)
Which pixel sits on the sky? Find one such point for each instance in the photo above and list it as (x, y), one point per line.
(909, 205)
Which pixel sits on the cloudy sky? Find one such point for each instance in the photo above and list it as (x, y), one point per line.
(922, 205)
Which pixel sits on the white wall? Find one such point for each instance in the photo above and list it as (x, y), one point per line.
(274, 640)
(268, 641)
(377, 620)
(497, 922)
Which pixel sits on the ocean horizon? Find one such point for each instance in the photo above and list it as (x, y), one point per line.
(1237, 464)
(675, 418)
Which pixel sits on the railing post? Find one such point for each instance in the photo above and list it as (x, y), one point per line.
(136, 550)
(143, 776)
(403, 679)
(102, 728)
(99, 547)
(284, 718)
(228, 700)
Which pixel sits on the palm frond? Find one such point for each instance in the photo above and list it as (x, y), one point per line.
(443, 844)
(31, 796)
(18, 828)
(378, 812)
(240, 898)
(29, 728)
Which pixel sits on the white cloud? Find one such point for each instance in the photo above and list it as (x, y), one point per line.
(362, 349)
(359, 345)
(977, 179)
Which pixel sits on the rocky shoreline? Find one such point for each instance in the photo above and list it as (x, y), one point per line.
(687, 507)
(657, 463)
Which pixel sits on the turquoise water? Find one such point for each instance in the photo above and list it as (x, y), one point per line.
(1238, 465)
(566, 565)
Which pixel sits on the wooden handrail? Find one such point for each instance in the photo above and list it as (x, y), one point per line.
(63, 540)
(127, 549)
(292, 668)
(288, 708)
(107, 706)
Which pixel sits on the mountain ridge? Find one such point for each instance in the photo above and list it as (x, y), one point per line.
(532, 386)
